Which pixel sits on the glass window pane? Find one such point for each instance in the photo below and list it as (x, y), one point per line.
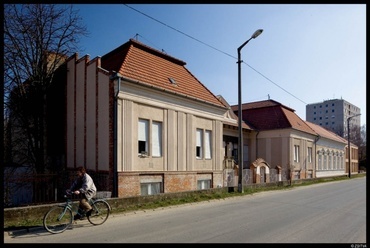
(199, 142)
(208, 144)
(157, 139)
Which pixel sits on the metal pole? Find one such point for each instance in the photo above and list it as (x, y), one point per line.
(240, 117)
(240, 139)
(349, 149)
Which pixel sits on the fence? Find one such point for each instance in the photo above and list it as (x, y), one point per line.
(23, 187)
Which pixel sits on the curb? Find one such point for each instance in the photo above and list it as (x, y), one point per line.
(23, 231)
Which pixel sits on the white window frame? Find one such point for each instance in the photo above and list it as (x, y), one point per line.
(203, 144)
(208, 144)
(309, 154)
(199, 143)
(151, 136)
(296, 153)
(204, 184)
(156, 139)
(143, 136)
(152, 188)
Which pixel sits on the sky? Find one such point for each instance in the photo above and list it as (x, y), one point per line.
(307, 53)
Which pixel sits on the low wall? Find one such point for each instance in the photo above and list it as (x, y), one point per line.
(17, 215)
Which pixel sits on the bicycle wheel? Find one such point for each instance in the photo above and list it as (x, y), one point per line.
(100, 212)
(57, 219)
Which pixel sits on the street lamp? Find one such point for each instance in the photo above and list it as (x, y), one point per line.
(240, 146)
(349, 145)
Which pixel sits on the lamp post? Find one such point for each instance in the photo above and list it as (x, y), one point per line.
(349, 145)
(240, 145)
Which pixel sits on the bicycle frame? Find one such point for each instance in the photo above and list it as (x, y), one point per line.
(67, 205)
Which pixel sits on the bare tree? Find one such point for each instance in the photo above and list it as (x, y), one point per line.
(37, 40)
(362, 147)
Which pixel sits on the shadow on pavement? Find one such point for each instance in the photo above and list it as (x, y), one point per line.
(18, 232)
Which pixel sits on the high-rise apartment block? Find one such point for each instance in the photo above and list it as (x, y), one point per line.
(333, 115)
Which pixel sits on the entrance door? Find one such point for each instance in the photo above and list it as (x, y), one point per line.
(263, 174)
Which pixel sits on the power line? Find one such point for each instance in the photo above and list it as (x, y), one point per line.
(191, 37)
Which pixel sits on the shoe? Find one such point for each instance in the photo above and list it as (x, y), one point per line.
(77, 217)
(88, 213)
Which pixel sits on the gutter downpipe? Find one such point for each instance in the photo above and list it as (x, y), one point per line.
(255, 172)
(115, 127)
(258, 132)
(316, 139)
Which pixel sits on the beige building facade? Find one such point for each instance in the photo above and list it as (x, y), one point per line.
(183, 141)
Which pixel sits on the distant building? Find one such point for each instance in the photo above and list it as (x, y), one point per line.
(332, 114)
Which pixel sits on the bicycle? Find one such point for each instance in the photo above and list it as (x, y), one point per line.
(60, 217)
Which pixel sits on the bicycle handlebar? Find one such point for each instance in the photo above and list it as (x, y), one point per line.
(69, 194)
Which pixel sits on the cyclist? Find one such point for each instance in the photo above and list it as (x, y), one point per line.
(84, 187)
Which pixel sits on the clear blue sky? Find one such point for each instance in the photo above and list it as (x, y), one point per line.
(307, 53)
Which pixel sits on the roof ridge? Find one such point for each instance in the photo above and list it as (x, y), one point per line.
(156, 51)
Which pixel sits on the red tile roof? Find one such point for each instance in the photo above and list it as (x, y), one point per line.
(146, 65)
(270, 115)
(323, 132)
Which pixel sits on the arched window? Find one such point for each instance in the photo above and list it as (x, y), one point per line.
(319, 162)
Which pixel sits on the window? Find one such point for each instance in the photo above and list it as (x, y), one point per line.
(199, 143)
(172, 80)
(309, 154)
(143, 136)
(235, 151)
(156, 138)
(204, 184)
(296, 153)
(203, 144)
(207, 145)
(151, 188)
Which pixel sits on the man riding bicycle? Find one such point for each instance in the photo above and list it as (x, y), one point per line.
(84, 187)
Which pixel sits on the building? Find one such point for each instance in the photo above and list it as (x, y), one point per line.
(142, 123)
(330, 152)
(281, 138)
(332, 114)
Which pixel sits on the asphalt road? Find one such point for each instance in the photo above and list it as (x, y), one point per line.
(332, 212)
